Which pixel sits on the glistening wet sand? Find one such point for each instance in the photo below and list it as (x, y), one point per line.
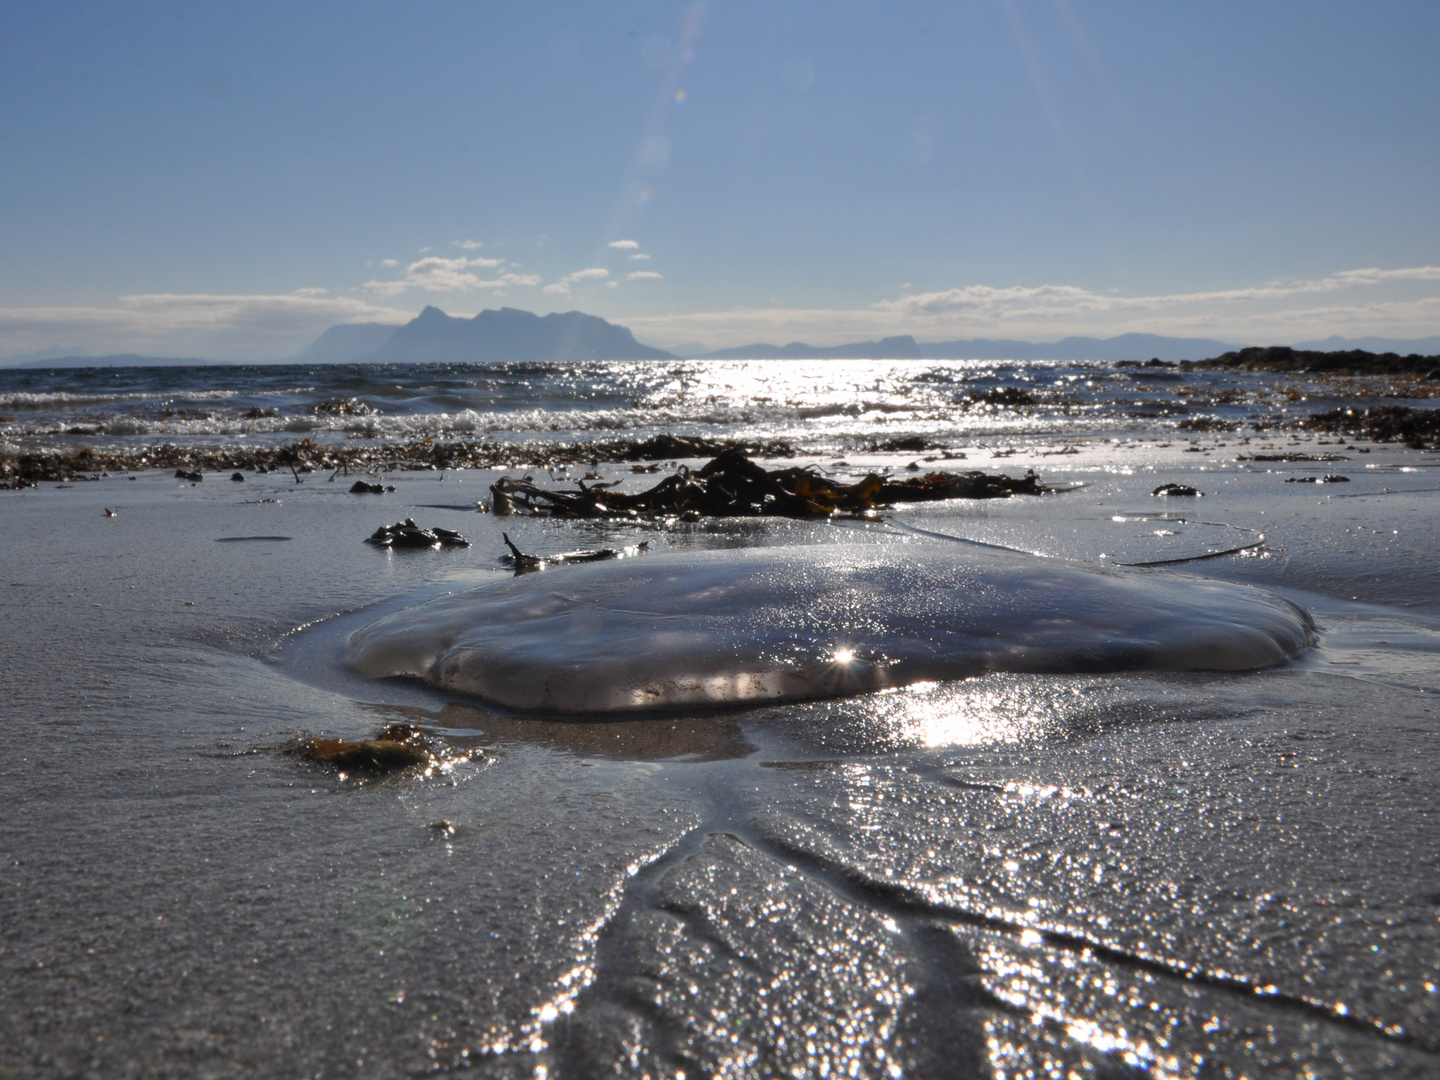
(1016, 874)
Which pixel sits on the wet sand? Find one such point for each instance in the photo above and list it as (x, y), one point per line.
(1013, 875)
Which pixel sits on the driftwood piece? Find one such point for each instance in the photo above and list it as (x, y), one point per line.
(731, 485)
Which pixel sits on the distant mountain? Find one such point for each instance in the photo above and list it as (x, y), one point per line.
(1427, 346)
(120, 360)
(891, 348)
(347, 343)
(511, 334)
(60, 353)
(1124, 347)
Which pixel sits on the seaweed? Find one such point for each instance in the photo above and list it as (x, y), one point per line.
(437, 452)
(732, 485)
(524, 563)
(397, 747)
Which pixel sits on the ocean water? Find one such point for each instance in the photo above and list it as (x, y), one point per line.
(1082, 872)
(819, 405)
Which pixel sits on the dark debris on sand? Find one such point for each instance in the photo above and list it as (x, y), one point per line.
(396, 748)
(524, 562)
(1418, 429)
(305, 456)
(732, 485)
(406, 534)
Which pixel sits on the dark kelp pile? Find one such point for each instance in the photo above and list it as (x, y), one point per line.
(731, 485)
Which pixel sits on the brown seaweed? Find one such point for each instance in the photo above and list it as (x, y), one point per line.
(732, 485)
(524, 563)
(397, 747)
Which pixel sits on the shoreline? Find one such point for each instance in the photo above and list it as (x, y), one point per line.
(1416, 429)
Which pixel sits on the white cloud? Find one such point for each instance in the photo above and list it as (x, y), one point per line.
(437, 274)
(466, 245)
(218, 326)
(643, 275)
(1053, 300)
(389, 262)
(624, 245)
(562, 287)
(1400, 303)
(638, 257)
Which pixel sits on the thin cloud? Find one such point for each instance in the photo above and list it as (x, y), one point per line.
(562, 287)
(1399, 303)
(225, 326)
(624, 245)
(638, 256)
(1019, 301)
(643, 275)
(466, 245)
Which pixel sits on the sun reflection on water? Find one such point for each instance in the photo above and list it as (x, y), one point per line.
(975, 712)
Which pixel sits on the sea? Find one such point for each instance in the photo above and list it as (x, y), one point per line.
(1117, 847)
(821, 405)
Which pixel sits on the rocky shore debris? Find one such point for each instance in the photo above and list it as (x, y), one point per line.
(1328, 478)
(1341, 362)
(193, 475)
(523, 562)
(1177, 491)
(732, 485)
(421, 453)
(406, 534)
(360, 487)
(396, 748)
(1418, 429)
(238, 478)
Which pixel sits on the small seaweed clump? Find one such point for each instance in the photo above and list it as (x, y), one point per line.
(731, 485)
(398, 747)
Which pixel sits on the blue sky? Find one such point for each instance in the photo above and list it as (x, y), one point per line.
(228, 180)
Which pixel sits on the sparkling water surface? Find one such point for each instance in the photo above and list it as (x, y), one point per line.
(829, 403)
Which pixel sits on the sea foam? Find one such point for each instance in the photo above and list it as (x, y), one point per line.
(759, 625)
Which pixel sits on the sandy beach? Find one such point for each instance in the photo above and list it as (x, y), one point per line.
(1194, 874)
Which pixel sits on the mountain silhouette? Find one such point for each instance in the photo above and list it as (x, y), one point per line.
(1123, 347)
(346, 343)
(511, 334)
